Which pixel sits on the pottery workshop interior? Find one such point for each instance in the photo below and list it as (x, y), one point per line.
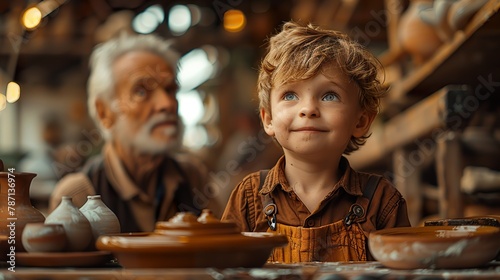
(435, 138)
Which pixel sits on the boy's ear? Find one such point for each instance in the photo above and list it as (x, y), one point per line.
(267, 122)
(105, 114)
(364, 123)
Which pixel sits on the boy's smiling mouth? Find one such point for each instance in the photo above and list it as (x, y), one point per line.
(309, 129)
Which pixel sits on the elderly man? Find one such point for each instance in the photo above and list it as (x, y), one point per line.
(140, 174)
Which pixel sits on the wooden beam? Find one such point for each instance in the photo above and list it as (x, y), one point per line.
(449, 168)
(407, 179)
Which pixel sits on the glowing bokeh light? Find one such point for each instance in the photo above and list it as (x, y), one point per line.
(157, 10)
(195, 137)
(191, 107)
(195, 14)
(147, 21)
(31, 18)
(194, 69)
(179, 19)
(234, 20)
(13, 92)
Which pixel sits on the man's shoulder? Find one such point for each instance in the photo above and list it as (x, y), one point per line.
(190, 163)
(75, 178)
(77, 185)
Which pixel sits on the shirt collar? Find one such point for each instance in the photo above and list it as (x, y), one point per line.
(125, 187)
(349, 180)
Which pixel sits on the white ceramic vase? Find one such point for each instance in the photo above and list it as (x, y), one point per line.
(102, 219)
(76, 225)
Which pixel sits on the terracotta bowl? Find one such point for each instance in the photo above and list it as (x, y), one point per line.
(435, 247)
(186, 241)
(41, 237)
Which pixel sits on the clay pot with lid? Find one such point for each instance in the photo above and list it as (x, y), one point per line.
(189, 241)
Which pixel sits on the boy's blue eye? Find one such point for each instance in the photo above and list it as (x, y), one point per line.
(329, 97)
(289, 96)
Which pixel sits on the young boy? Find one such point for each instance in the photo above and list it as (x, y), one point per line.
(319, 94)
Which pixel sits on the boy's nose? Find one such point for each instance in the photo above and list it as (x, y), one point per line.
(309, 110)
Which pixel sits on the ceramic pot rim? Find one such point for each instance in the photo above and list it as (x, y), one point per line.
(435, 233)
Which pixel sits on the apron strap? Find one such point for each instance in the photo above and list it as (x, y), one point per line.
(357, 211)
(269, 207)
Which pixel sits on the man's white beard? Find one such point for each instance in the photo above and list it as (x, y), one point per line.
(142, 141)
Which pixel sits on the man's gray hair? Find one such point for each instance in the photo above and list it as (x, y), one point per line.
(101, 82)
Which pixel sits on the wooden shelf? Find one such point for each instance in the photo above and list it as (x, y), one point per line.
(472, 53)
(438, 110)
(419, 98)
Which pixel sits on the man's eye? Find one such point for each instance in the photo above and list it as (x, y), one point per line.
(329, 97)
(140, 93)
(289, 96)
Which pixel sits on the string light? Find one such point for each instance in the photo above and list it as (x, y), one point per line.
(13, 92)
(31, 18)
(234, 21)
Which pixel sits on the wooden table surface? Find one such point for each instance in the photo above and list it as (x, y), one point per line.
(306, 271)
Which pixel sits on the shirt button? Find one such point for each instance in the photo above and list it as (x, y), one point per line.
(310, 223)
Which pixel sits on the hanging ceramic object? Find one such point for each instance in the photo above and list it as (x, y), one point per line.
(462, 11)
(438, 16)
(15, 207)
(76, 225)
(102, 219)
(416, 36)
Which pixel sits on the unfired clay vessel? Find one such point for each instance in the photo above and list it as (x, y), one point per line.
(102, 219)
(76, 225)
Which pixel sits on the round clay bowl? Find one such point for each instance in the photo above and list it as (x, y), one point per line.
(41, 237)
(188, 242)
(435, 247)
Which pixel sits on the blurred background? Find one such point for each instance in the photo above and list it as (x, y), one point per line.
(436, 133)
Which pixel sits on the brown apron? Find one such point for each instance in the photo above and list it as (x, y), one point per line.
(330, 243)
(343, 240)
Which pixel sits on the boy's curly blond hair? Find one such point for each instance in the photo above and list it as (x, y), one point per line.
(301, 52)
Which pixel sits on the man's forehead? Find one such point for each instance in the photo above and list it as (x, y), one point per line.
(156, 72)
(143, 64)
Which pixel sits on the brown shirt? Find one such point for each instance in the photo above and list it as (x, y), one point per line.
(387, 208)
